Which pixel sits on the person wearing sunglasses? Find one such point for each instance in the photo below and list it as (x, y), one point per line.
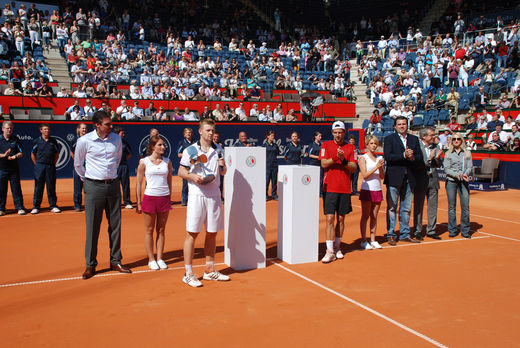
(458, 164)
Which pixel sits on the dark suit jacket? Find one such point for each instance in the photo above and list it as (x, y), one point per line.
(396, 164)
(423, 180)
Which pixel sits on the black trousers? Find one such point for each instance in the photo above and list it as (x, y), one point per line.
(44, 174)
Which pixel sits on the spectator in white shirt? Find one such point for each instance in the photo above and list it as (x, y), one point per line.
(189, 115)
(89, 109)
(241, 113)
(123, 111)
(254, 111)
(137, 111)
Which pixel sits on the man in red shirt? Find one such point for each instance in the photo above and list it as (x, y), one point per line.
(454, 125)
(338, 159)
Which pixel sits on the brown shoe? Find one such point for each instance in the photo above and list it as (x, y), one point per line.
(120, 268)
(410, 240)
(89, 272)
(391, 241)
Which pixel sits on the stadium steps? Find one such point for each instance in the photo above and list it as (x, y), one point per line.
(261, 14)
(434, 13)
(363, 107)
(59, 68)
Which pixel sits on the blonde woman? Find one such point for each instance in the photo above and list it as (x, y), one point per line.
(155, 203)
(458, 164)
(371, 167)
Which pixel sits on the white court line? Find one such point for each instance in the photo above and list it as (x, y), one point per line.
(96, 276)
(362, 306)
(488, 217)
(486, 233)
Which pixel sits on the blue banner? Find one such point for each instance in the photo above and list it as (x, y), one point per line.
(137, 135)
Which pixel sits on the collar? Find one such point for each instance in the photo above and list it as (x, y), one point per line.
(402, 137)
(95, 136)
(213, 145)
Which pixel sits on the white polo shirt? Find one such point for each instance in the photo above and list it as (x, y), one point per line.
(211, 189)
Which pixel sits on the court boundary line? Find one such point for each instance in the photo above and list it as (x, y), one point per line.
(96, 276)
(362, 306)
(35, 282)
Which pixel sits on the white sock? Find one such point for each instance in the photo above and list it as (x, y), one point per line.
(210, 264)
(189, 269)
(337, 243)
(330, 245)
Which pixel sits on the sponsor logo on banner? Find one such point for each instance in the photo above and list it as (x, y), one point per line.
(251, 161)
(63, 153)
(71, 137)
(284, 179)
(146, 140)
(306, 179)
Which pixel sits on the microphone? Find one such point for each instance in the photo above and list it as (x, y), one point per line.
(220, 155)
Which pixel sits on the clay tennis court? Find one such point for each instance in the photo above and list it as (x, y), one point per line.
(454, 292)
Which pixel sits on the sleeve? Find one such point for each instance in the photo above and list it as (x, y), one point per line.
(17, 145)
(79, 158)
(469, 165)
(35, 147)
(185, 160)
(286, 152)
(179, 147)
(323, 152)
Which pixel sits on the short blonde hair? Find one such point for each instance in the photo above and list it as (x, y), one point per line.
(371, 137)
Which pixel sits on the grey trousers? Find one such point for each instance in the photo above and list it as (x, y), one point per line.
(102, 198)
(431, 193)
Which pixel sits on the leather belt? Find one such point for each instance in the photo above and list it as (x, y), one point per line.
(107, 181)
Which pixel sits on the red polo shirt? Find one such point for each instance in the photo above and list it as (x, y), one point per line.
(337, 177)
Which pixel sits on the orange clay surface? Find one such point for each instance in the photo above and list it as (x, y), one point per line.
(454, 292)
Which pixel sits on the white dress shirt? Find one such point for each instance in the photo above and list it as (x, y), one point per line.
(97, 158)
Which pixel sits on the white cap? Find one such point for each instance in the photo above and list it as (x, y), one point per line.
(338, 125)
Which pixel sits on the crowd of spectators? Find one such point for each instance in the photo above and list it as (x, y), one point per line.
(24, 33)
(441, 77)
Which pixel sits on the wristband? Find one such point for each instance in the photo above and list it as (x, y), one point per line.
(344, 162)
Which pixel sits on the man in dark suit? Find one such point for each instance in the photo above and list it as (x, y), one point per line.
(402, 153)
(427, 184)
(481, 99)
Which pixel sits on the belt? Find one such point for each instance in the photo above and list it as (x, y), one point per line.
(107, 181)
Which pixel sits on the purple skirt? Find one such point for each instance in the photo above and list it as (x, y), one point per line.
(371, 196)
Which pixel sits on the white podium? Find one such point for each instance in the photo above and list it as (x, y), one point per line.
(298, 213)
(245, 218)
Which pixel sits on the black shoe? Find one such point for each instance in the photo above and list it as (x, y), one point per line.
(183, 204)
(468, 236)
(275, 198)
(433, 236)
(419, 237)
(453, 235)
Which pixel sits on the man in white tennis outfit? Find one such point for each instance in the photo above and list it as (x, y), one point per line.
(204, 204)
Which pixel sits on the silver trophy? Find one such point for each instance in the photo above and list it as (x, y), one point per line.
(198, 161)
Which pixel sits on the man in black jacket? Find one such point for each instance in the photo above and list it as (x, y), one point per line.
(402, 154)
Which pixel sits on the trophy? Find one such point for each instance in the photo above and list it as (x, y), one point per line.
(198, 161)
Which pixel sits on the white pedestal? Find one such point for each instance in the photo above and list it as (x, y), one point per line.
(244, 188)
(298, 213)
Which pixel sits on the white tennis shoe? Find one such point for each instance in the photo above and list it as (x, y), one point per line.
(162, 264)
(153, 265)
(366, 245)
(215, 275)
(191, 280)
(376, 245)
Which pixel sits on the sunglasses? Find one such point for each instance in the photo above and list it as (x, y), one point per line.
(453, 139)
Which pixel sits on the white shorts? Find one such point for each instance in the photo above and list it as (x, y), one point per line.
(204, 210)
